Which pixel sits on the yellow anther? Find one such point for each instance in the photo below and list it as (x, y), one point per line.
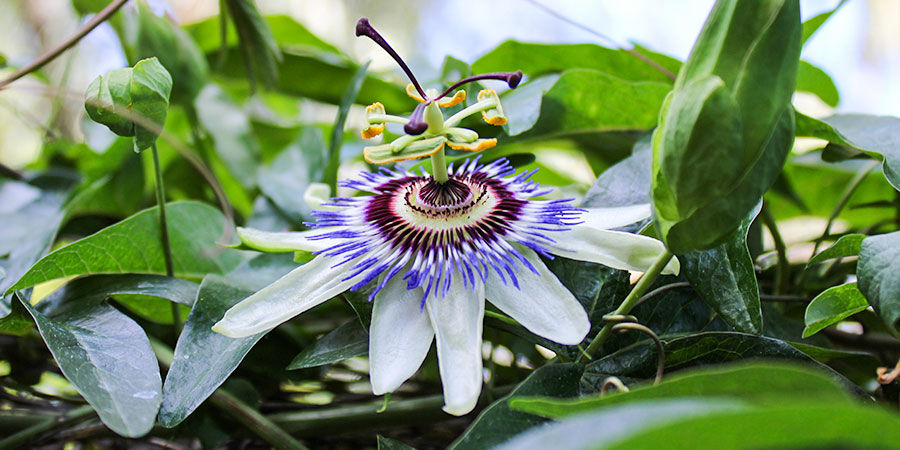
(457, 98)
(372, 131)
(477, 146)
(413, 93)
(493, 116)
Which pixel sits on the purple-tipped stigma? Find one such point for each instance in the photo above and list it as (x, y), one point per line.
(416, 125)
(512, 79)
(363, 28)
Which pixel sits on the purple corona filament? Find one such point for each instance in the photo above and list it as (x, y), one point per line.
(467, 226)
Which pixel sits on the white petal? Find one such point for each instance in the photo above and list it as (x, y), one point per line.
(298, 291)
(399, 336)
(541, 304)
(285, 241)
(615, 249)
(316, 194)
(457, 322)
(607, 218)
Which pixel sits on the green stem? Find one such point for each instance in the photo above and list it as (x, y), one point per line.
(630, 302)
(49, 424)
(164, 233)
(783, 268)
(842, 201)
(439, 166)
(341, 419)
(255, 421)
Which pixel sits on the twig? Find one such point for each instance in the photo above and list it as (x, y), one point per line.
(630, 301)
(660, 348)
(11, 173)
(603, 37)
(252, 419)
(52, 423)
(662, 289)
(854, 183)
(164, 233)
(863, 341)
(783, 269)
(68, 43)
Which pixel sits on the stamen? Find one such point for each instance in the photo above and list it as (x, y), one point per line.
(416, 125)
(364, 29)
(511, 78)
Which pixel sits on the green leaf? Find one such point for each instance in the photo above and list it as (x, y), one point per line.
(31, 214)
(815, 81)
(705, 224)
(119, 194)
(150, 89)
(847, 245)
(107, 358)
(158, 37)
(204, 359)
(345, 341)
(583, 101)
(337, 132)
(691, 424)
(287, 32)
(626, 183)
(878, 136)
(539, 59)
(133, 246)
(754, 383)
(879, 279)
(726, 129)
(229, 128)
(832, 306)
(498, 422)
(258, 47)
(606, 428)
(726, 280)
(286, 178)
(812, 24)
(132, 101)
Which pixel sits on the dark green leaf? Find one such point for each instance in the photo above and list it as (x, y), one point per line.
(815, 81)
(540, 59)
(337, 132)
(117, 195)
(230, 131)
(847, 245)
(31, 217)
(346, 341)
(725, 279)
(203, 358)
(832, 306)
(879, 279)
(499, 422)
(583, 101)
(639, 360)
(286, 32)
(752, 383)
(133, 246)
(108, 359)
